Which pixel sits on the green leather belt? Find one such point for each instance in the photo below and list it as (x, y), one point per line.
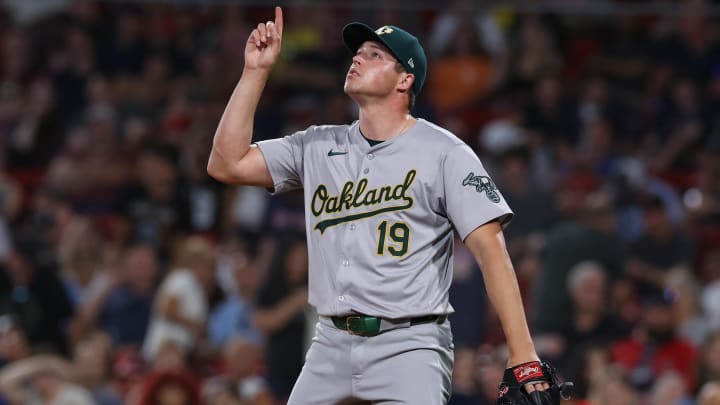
(366, 325)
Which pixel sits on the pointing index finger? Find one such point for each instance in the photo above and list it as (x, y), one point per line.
(279, 20)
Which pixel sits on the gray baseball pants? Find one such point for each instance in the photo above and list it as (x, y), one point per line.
(410, 365)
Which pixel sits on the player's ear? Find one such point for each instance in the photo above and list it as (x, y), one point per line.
(406, 82)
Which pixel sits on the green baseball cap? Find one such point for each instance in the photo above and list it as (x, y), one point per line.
(403, 45)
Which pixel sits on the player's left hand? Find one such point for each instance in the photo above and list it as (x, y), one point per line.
(532, 383)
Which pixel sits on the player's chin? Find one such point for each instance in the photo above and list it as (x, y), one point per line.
(350, 88)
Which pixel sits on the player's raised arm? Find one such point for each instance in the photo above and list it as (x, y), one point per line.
(232, 158)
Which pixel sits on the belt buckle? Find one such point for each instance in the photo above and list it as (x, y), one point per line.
(347, 324)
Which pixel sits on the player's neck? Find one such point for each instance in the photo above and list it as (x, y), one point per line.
(382, 124)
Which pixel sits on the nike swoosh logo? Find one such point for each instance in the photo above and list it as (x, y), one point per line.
(333, 153)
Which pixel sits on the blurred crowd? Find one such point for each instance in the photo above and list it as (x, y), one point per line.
(128, 276)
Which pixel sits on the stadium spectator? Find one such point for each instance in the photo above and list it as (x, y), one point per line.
(181, 305)
(693, 324)
(242, 382)
(155, 206)
(594, 239)
(43, 380)
(654, 347)
(35, 297)
(660, 248)
(170, 388)
(120, 302)
(591, 323)
(281, 315)
(235, 314)
(462, 73)
(80, 256)
(91, 366)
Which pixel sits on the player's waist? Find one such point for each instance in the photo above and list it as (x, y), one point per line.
(368, 325)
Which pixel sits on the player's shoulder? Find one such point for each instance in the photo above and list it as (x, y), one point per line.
(436, 136)
(321, 134)
(327, 130)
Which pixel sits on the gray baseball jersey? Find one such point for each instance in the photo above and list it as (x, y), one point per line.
(380, 218)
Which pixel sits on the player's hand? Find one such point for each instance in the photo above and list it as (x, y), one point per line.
(263, 45)
(535, 383)
(536, 386)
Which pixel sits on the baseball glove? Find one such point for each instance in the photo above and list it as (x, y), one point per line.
(512, 388)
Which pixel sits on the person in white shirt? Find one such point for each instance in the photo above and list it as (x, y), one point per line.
(180, 309)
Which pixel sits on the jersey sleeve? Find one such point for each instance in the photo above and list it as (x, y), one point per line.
(284, 159)
(471, 197)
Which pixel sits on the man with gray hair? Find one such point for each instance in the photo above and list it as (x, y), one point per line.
(588, 321)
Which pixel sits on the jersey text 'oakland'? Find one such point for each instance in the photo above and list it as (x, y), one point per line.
(355, 197)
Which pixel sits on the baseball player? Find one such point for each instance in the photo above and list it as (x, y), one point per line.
(382, 198)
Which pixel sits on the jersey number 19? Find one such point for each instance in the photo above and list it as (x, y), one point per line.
(399, 235)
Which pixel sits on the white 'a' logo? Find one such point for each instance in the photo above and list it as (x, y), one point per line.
(384, 30)
(411, 62)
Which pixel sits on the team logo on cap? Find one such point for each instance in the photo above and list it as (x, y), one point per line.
(411, 62)
(384, 30)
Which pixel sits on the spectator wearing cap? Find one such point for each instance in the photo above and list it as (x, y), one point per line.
(660, 248)
(654, 346)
